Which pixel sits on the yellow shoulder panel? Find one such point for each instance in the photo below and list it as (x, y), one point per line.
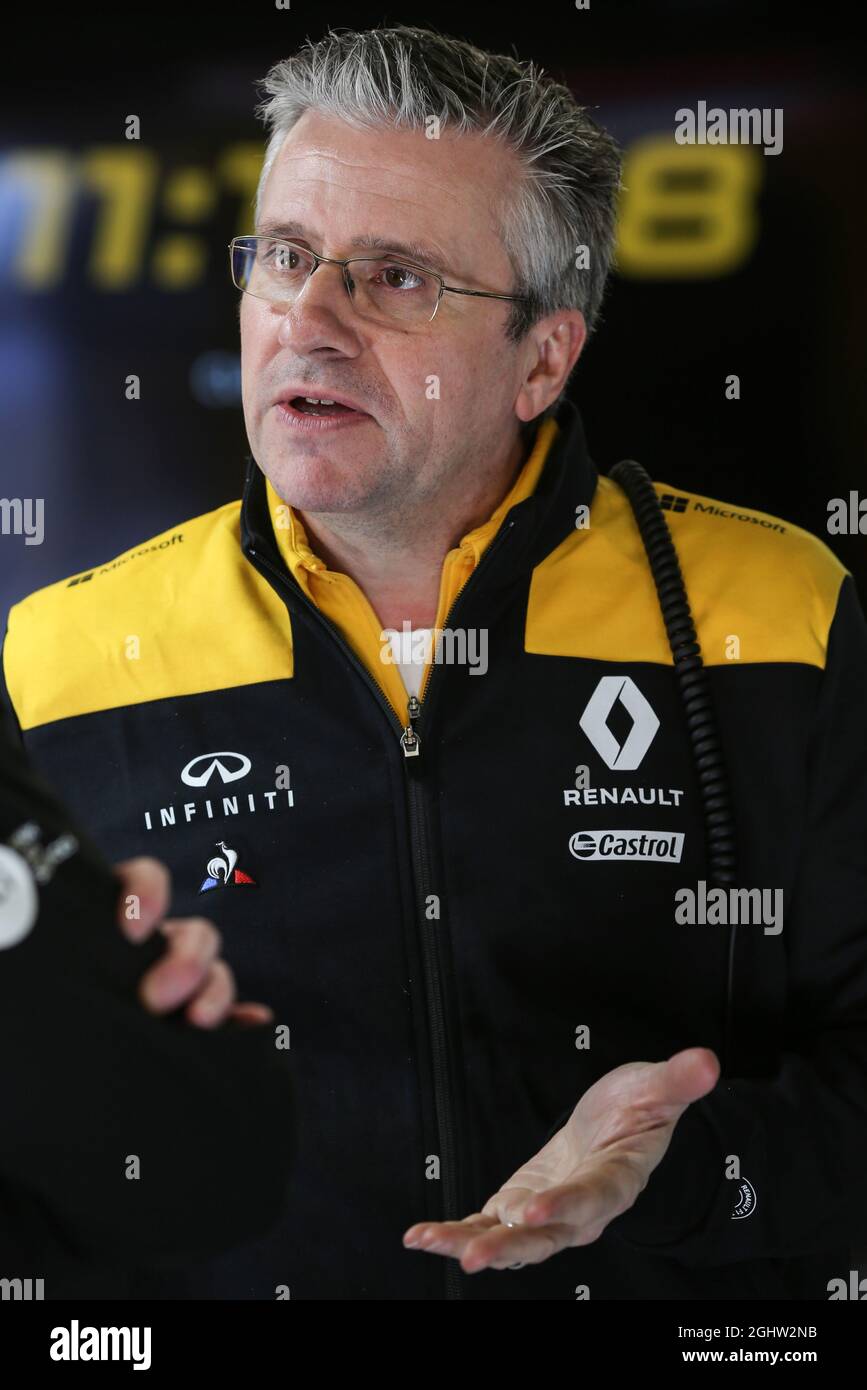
(748, 575)
(181, 614)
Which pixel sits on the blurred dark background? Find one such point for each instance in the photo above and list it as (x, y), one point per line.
(113, 255)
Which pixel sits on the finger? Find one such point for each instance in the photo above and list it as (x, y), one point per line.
(446, 1237)
(214, 999)
(507, 1246)
(143, 899)
(482, 1242)
(589, 1203)
(250, 1013)
(687, 1076)
(423, 1231)
(194, 943)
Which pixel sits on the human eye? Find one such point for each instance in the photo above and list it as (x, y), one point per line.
(394, 275)
(279, 256)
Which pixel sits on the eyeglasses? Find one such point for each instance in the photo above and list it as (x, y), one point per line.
(386, 289)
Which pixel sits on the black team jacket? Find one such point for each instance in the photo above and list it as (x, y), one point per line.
(466, 912)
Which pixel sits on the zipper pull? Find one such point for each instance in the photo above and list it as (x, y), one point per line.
(409, 738)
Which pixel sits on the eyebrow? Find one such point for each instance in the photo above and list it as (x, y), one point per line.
(417, 251)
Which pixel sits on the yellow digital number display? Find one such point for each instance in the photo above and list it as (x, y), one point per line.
(685, 211)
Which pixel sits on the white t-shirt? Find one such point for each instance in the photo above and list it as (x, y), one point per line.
(412, 671)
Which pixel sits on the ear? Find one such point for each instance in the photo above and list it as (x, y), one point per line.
(553, 346)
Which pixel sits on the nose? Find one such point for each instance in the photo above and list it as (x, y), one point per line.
(322, 315)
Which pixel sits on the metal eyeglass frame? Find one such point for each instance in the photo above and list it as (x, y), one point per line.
(331, 260)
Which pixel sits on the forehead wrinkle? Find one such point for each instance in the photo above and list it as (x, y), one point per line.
(449, 260)
(409, 171)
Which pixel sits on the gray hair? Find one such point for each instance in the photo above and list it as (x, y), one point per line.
(401, 77)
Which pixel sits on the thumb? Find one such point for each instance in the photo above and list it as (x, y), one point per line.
(148, 882)
(688, 1075)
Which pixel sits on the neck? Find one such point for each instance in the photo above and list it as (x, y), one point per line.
(397, 560)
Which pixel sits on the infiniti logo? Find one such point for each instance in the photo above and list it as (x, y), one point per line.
(627, 756)
(216, 762)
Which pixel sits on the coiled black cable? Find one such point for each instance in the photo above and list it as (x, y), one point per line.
(695, 691)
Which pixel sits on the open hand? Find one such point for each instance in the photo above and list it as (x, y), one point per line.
(592, 1170)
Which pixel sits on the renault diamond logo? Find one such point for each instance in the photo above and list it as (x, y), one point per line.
(624, 757)
(216, 762)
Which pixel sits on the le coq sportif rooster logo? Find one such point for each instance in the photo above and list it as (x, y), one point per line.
(223, 871)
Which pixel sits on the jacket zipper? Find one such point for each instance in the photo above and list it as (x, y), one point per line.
(420, 842)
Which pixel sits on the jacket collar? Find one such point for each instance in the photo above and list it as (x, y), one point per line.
(541, 504)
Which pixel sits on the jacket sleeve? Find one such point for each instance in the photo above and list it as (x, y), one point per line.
(93, 1088)
(801, 1136)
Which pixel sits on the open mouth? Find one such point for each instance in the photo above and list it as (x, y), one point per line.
(313, 406)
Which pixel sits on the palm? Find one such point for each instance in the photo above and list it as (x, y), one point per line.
(591, 1171)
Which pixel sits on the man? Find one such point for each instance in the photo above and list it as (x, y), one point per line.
(128, 1139)
(463, 901)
